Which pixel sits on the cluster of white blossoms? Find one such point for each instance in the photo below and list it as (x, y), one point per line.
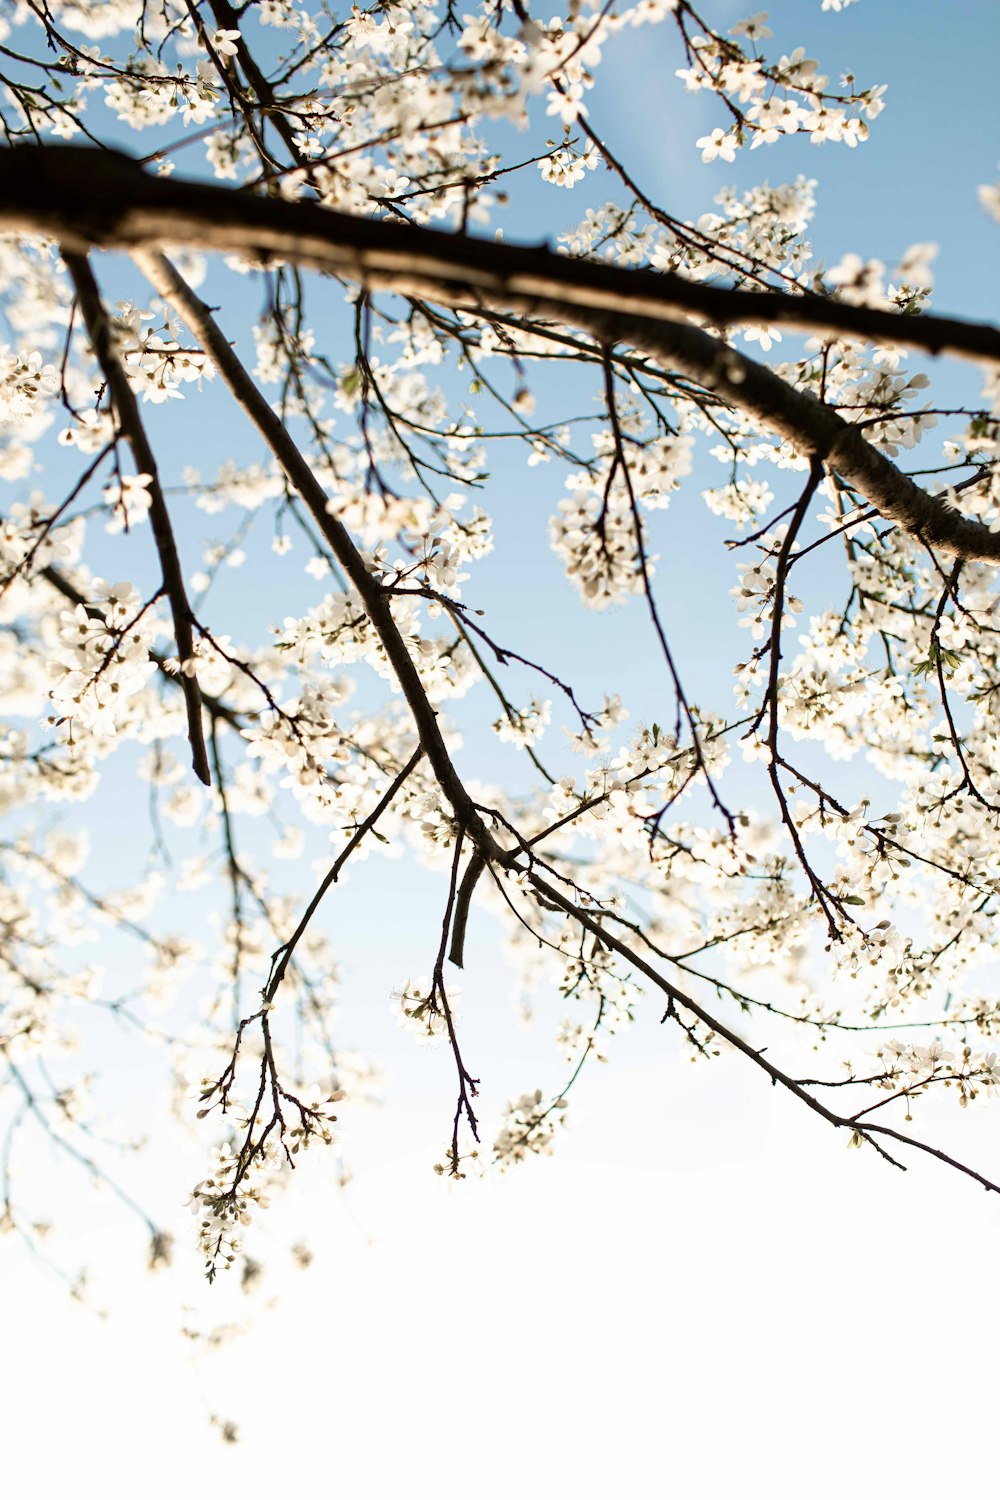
(240, 1182)
(622, 793)
(599, 980)
(755, 596)
(101, 658)
(597, 530)
(304, 739)
(129, 499)
(762, 227)
(30, 540)
(911, 1069)
(24, 380)
(565, 167)
(611, 233)
(742, 500)
(773, 100)
(524, 726)
(157, 367)
(223, 1204)
(528, 1129)
(421, 1010)
(659, 467)
(596, 536)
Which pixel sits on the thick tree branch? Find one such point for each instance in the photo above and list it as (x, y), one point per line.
(85, 197)
(813, 429)
(88, 198)
(127, 410)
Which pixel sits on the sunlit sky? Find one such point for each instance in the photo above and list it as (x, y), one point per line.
(706, 1294)
(703, 1292)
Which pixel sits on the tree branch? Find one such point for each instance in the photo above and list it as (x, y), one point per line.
(756, 1055)
(377, 602)
(99, 332)
(281, 957)
(88, 198)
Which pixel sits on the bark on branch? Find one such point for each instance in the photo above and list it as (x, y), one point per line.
(85, 198)
(131, 427)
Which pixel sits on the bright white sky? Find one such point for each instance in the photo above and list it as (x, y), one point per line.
(704, 1293)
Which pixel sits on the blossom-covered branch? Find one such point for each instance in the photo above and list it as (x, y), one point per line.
(99, 329)
(126, 209)
(102, 199)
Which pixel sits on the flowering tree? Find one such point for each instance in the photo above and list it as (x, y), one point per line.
(336, 178)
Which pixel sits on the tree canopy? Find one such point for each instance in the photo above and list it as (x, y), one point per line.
(296, 245)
